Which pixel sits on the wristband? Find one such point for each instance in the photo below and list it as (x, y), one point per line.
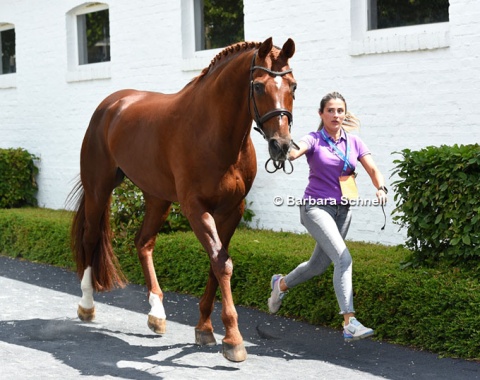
(384, 189)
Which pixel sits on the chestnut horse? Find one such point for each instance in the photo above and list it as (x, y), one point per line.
(193, 147)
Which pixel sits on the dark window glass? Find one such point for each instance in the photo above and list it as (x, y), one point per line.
(93, 37)
(395, 13)
(7, 38)
(220, 23)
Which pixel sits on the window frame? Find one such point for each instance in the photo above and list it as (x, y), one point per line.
(9, 80)
(77, 72)
(399, 39)
(192, 37)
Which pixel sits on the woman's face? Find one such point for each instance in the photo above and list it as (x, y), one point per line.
(333, 114)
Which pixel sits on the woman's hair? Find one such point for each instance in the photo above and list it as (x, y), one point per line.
(350, 123)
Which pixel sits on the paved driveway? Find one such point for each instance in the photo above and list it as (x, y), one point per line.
(41, 338)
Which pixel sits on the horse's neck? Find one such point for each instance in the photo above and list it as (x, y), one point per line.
(228, 101)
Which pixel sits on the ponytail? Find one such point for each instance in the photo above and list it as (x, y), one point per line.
(351, 122)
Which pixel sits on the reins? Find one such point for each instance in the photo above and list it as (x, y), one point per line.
(260, 120)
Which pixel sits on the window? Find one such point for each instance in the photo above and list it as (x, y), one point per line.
(385, 26)
(395, 13)
(93, 37)
(88, 42)
(7, 41)
(218, 23)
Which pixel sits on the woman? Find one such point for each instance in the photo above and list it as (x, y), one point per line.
(332, 155)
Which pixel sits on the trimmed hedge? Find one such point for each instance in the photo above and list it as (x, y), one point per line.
(437, 199)
(128, 211)
(17, 178)
(402, 305)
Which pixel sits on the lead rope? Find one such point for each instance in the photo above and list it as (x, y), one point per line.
(277, 165)
(385, 216)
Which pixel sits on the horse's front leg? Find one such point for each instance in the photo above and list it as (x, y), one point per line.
(233, 347)
(204, 329)
(156, 211)
(222, 268)
(157, 318)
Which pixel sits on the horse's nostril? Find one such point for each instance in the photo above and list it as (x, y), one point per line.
(278, 149)
(274, 145)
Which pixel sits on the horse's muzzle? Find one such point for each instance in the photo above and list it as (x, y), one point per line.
(278, 148)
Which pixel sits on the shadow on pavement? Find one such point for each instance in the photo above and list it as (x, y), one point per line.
(273, 336)
(97, 351)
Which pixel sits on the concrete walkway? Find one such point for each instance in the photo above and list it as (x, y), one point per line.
(41, 338)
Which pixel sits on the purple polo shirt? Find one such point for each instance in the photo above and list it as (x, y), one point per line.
(326, 166)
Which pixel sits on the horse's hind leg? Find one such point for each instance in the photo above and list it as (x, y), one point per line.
(94, 255)
(156, 212)
(86, 306)
(92, 234)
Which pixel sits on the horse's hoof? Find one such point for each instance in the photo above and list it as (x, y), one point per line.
(204, 338)
(157, 325)
(236, 353)
(86, 315)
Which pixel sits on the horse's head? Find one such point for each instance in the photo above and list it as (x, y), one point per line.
(272, 90)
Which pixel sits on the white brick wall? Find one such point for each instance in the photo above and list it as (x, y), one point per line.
(405, 97)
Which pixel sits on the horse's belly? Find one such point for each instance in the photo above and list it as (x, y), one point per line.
(150, 178)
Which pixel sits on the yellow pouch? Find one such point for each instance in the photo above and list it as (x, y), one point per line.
(348, 186)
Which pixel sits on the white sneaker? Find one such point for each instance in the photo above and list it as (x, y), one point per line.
(355, 330)
(275, 300)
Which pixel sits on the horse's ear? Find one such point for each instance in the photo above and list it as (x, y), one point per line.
(265, 48)
(288, 49)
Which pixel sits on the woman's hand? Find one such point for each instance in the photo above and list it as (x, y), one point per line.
(295, 153)
(382, 196)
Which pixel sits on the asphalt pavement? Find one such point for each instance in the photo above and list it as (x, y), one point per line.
(41, 338)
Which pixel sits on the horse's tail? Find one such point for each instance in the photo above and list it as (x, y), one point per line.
(106, 272)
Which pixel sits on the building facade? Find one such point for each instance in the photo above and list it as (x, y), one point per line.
(411, 86)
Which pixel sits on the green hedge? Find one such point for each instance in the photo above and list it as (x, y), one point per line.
(128, 211)
(17, 178)
(437, 199)
(404, 306)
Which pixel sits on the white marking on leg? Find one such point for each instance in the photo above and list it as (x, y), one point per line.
(87, 289)
(157, 310)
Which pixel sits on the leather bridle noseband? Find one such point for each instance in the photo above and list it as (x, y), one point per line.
(260, 120)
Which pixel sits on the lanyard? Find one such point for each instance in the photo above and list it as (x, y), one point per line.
(339, 153)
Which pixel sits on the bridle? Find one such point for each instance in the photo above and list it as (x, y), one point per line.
(260, 120)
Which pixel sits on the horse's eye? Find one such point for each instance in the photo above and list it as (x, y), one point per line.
(259, 87)
(294, 88)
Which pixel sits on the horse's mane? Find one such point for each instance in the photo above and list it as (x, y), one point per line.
(228, 52)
